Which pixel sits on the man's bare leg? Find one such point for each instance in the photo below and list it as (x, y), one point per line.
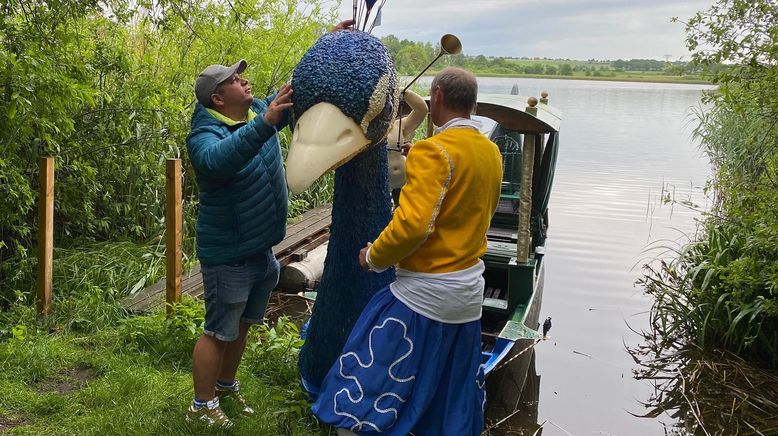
(233, 352)
(206, 364)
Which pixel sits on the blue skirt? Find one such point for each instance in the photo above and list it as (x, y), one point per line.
(401, 372)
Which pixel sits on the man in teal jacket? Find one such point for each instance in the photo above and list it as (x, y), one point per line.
(237, 161)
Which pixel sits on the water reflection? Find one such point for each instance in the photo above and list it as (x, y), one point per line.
(523, 420)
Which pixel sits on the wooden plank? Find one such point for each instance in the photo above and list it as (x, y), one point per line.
(45, 234)
(304, 228)
(311, 231)
(173, 234)
(309, 244)
(152, 296)
(291, 241)
(141, 296)
(192, 282)
(307, 219)
(139, 300)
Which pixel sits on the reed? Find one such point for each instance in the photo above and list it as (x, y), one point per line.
(711, 348)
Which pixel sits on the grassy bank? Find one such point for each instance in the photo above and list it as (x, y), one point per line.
(106, 89)
(616, 77)
(93, 369)
(113, 374)
(645, 77)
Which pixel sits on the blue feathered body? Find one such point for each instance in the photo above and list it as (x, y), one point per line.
(344, 68)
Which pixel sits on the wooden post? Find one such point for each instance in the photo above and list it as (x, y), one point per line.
(524, 242)
(45, 234)
(173, 233)
(532, 109)
(544, 97)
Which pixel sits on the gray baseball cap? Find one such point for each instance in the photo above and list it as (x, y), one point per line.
(212, 76)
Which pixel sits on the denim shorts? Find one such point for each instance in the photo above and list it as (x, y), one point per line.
(238, 292)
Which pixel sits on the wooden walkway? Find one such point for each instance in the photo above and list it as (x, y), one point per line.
(309, 232)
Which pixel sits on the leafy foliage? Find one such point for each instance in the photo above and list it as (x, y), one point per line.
(106, 87)
(168, 339)
(722, 291)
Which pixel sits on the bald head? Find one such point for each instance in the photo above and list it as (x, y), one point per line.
(459, 89)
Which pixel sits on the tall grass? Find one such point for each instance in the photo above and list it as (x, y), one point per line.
(711, 349)
(131, 375)
(115, 268)
(713, 295)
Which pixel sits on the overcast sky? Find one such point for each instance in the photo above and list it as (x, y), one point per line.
(568, 29)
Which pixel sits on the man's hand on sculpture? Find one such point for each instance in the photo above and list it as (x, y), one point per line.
(406, 147)
(343, 25)
(282, 102)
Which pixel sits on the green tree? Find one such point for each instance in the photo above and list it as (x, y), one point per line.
(392, 44)
(534, 68)
(106, 88)
(743, 34)
(411, 59)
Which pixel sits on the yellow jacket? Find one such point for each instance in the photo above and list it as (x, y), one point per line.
(446, 205)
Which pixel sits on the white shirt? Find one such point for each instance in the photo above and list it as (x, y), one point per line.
(452, 298)
(459, 122)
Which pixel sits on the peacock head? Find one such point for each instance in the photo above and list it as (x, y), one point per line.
(345, 98)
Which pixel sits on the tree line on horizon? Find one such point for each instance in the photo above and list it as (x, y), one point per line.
(410, 57)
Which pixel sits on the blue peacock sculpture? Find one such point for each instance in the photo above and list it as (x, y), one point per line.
(345, 99)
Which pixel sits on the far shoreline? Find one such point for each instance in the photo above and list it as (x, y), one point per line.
(664, 80)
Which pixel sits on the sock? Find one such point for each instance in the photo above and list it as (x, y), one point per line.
(226, 385)
(199, 404)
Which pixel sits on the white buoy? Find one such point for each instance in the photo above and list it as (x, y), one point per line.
(302, 275)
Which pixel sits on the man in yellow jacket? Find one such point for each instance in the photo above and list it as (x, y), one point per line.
(413, 361)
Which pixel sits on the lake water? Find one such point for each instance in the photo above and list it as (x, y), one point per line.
(622, 145)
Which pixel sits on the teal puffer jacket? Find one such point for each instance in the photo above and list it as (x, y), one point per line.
(243, 195)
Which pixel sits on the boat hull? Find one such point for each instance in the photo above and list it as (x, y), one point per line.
(505, 383)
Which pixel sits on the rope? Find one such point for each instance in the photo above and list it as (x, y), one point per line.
(493, 426)
(519, 354)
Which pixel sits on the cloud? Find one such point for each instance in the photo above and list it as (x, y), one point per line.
(574, 29)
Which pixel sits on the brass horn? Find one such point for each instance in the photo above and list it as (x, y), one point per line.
(449, 44)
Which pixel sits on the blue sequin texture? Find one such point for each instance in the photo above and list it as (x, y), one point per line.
(344, 68)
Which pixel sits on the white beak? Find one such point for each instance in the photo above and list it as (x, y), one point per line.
(324, 139)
